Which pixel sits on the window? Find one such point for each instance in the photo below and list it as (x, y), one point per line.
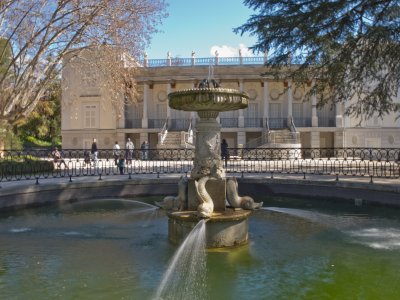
(90, 113)
(251, 111)
(161, 111)
(275, 110)
(297, 110)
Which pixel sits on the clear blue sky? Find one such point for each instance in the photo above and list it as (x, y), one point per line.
(202, 26)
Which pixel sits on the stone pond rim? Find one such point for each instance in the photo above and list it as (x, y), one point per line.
(208, 99)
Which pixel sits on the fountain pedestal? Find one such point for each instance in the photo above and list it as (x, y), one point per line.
(227, 229)
(206, 197)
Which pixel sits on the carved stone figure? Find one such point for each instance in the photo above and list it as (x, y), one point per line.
(236, 201)
(176, 202)
(206, 206)
(205, 84)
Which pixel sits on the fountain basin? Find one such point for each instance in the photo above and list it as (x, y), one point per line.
(208, 99)
(223, 229)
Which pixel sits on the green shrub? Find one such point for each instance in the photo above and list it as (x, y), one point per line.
(24, 166)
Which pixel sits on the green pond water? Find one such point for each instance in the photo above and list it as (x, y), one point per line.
(119, 249)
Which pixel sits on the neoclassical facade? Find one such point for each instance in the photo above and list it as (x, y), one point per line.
(87, 112)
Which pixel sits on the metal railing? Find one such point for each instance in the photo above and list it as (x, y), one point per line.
(38, 164)
(189, 135)
(163, 133)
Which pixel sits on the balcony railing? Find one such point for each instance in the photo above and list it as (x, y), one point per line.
(202, 61)
(277, 123)
(229, 122)
(302, 122)
(156, 123)
(253, 122)
(133, 123)
(274, 123)
(326, 122)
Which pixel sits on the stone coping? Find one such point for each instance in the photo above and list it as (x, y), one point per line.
(228, 215)
(23, 194)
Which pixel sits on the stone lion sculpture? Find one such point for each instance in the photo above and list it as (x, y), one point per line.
(236, 201)
(178, 202)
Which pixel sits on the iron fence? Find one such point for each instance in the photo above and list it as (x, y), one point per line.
(39, 164)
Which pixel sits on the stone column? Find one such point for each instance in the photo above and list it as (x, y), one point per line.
(241, 117)
(192, 113)
(339, 115)
(290, 103)
(145, 120)
(241, 135)
(314, 116)
(265, 103)
(169, 90)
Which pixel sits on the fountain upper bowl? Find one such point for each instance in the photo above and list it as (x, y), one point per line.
(208, 99)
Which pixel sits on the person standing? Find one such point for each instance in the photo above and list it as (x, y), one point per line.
(58, 160)
(116, 152)
(145, 150)
(224, 152)
(121, 163)
(129, 151)
(94, 152)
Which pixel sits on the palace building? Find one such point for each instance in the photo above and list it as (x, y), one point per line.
(277, 111)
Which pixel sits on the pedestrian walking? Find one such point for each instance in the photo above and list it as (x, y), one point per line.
(116, 152)
(129, 151)
(94, 152)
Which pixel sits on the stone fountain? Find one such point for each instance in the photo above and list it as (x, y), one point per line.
(205, 193)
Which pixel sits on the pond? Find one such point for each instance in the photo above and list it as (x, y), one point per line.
(119, 249)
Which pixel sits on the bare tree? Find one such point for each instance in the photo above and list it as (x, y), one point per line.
(37, 35)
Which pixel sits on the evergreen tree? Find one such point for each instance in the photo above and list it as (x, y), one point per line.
(44, 123)
(348, 49)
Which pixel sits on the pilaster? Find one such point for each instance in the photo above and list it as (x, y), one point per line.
(265, 103)
(339, 139)
(241, 138)
(241, 117)
(314, 116)
(290, 103)
(315, 139)
(145, 121)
